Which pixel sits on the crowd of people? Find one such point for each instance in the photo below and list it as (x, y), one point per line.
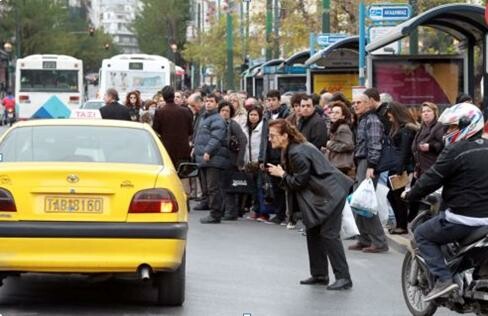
(370, 136)
(284, 160)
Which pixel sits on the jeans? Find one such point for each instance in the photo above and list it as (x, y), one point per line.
(434, 233)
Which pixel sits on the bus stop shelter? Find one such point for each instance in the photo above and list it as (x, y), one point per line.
(247, 79)
(465, 22)
(292, 76)
(335, 68)
(268, 75)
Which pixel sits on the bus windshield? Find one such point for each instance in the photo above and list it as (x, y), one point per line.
(145, 82)
(52, 80)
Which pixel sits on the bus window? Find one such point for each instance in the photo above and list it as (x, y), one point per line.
(36, 80)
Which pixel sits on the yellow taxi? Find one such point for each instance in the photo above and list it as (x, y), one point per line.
(92, 196)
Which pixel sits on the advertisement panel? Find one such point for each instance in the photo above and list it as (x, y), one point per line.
(413, 81)
(335, 82)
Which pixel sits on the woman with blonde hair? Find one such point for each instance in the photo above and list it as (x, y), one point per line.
(240, 112)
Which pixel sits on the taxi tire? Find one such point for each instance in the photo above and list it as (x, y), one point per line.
(171, 285)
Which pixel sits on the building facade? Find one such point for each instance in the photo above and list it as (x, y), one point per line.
(115, 18)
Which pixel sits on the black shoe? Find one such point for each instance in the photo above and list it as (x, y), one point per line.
(209, 220)
(229, 218)
(340, 284)
(440, 288)
(322, 280)
(277, 220)
(203, 206)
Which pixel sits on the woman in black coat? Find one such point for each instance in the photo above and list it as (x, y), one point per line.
(236, 142)
(318, 190)
(426, 146)
(403, 128)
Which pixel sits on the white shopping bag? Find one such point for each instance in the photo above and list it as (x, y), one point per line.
(364, 197)
(349, 228)
(383, 203)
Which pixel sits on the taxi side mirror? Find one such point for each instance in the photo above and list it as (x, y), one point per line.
(187, 170)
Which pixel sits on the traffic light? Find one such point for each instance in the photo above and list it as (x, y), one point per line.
(91, 31)
(106, 46)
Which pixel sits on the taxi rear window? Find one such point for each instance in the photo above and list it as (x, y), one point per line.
(80, 144)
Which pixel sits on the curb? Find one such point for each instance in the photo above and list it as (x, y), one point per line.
(398, 242)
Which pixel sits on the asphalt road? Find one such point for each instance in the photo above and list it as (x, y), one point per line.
(232, 269)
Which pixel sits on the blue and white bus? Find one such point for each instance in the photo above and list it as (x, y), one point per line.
(48, 86)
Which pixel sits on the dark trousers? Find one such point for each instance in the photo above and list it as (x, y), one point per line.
(231, 204)
(203, 185)
(370, 228)
(324, 242)
(212, 178)
(399, 206)
(434, 233)
(279, 202)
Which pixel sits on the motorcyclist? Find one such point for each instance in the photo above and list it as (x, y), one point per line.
(461, 171)
(9, 103)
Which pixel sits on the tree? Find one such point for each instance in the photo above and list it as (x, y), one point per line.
(46, 27)
(209, 48)
(160, 24)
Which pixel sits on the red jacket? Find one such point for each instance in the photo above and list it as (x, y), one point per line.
(9, 103)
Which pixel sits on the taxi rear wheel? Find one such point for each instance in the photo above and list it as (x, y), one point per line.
(171, 285)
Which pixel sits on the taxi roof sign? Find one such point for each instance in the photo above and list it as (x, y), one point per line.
(85, 114)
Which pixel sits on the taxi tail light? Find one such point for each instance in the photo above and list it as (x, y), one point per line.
(7, 203)
(153, 201)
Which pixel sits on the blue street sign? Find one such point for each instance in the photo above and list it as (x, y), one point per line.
(326, 39)
(389, 12)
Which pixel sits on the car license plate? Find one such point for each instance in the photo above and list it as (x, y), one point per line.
(57, 204)
(10, 115)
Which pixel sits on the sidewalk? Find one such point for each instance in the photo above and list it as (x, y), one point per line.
(398, 242)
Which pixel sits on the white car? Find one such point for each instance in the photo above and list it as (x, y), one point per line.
(92, 105)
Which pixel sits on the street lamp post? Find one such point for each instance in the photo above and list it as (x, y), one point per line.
(174, 49)
(8, 49)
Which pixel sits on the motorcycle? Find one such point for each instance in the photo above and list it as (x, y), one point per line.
(10, 117)
(467, 259)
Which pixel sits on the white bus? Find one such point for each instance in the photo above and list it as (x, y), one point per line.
(145, 73)
(48, 86)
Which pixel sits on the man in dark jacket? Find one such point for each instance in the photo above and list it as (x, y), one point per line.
(174, 124)
(113, 110)
(319, 191)
(369, 138)
(461, 172)
(311, 124)
(212, 155)
(381, 108)
(275, 110)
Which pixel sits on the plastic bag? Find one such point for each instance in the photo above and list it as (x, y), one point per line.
(364, 198)
(349, 228)
(364, 213)
(383, 203)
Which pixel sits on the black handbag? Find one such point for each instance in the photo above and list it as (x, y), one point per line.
(238, 182)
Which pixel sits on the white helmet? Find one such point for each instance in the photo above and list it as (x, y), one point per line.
(467, 117)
